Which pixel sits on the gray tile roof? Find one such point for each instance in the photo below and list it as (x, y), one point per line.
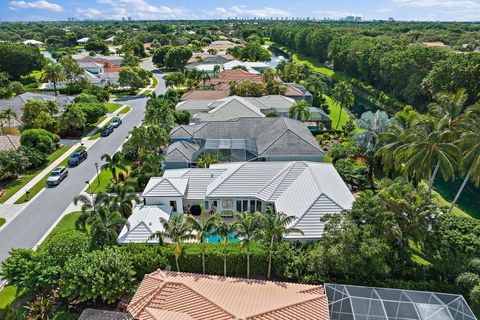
(9, 142)
(274, 136)
(92, 314)
(16, 103)
(181, 151)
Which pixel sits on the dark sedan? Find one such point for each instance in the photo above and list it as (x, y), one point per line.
(77, 158)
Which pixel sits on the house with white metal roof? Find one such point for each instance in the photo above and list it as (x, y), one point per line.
(143, 223)
(306, 190)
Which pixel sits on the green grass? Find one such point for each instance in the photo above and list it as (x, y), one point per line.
(92, 126)
(439, 200)
(40, 185)
(147, 92)
(2, 222)
(101, 182)
(335, 112)
(17, 184)
(96, 135)
(7, 296)
(125, 110)
(112, 107)
(154, 82)
(67, 223)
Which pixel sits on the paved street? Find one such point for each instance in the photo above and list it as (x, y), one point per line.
(31, 224)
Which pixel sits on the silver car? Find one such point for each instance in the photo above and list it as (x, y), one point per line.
(57, 176)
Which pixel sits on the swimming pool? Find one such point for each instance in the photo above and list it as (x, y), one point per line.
(216, 238)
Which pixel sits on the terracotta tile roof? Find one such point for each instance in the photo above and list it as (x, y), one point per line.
(181, 296)
(227, 76)
(112, 69)
(205, 94)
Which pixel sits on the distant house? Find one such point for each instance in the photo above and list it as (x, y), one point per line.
(185, 296)
(240, 107)
(206, 58)
(306, 190)
(34, 43)
(227, 76)
(252, 67)
(205, 95)
(298, 92)
(243, 139)
(83, 41)
(434, 44)
(110, 40)
(100, 69)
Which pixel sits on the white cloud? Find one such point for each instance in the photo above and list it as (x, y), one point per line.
(384, 10)
(333, 14)
(41, 4)
(245, 12)
(438, 3)
(137, 9)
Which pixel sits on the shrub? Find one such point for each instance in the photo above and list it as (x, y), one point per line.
(34, 157)
(144, 258)
(12, 163)
(86, 98)
(40, 139)
(182, 117)
(106, 274)
(60, 247)
(101, 94)
(191, 259)
(93, 111)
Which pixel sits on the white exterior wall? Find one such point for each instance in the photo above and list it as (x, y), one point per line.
(165, 201)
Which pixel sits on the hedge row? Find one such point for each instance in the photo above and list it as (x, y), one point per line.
(191, 259)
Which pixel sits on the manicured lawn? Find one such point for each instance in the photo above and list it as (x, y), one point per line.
(335, 112)
(147, 92)
(66, 224)
(7, 295)
(19, 183)
(112, 107)
(96, 135)
(125, 110)
(92, 126)
(40, 185)
(439, 200)
(154, 82)
(2, 222)
(101, 181)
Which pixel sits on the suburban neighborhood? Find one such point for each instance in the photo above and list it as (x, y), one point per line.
(161, 164)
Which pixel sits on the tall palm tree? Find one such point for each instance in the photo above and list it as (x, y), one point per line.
(106, 65)
(104, 227)
(343, 95)
(470, 145)
(471, 280)
(427, 149)
(300, 110)
(88, 208)
(373, 125)
(54, 73)
(202, 228)
(247, 226)
(448, 109)
(124, 200)
(204, 76)
(216, 70)
(224, 229)
(177, 230)
(113, 163)
(276, 225)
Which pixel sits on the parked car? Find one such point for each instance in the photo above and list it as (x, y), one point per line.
(116, 122)
(107, 131)
(57, 176)
(77, 158)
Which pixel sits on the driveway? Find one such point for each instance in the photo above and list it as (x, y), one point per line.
(27, 228)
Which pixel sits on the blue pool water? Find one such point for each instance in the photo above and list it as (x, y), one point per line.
(217, 238)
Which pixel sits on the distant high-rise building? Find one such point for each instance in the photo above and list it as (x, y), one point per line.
(129, 18)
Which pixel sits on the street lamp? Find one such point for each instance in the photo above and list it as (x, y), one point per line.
(98, 176)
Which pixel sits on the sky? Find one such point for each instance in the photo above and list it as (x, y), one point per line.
(421, 10)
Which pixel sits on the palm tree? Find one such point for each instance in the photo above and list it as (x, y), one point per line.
(203, 227)
(427, 149)
(373, 125)
(470, 145)
(300, 110)
(471, 279)
(448, 109)
(274, 227)
(88, 208)
(248, 230)
(3, 120)
(204, 76)
(216, 70)
(53, 72)
(343, 95)
(124, 199)
(113, 163)
(8, 115)
(224, 229)
(177, 230)
(106, 65)
(206, 160)
(105, 225)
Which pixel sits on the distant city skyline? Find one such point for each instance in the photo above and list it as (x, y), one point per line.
(418, 10)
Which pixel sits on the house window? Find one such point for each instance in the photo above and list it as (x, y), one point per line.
(252, 205)
(239, 205)
(259, 206)
(207, 206)
(173, 204)
(227, 204)
(242, 205)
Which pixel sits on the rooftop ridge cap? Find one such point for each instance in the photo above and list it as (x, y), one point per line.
(295, 133)
(233, 171)
(285, 170)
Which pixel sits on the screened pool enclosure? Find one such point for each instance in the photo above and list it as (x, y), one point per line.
(348, 302)
(229, 150)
